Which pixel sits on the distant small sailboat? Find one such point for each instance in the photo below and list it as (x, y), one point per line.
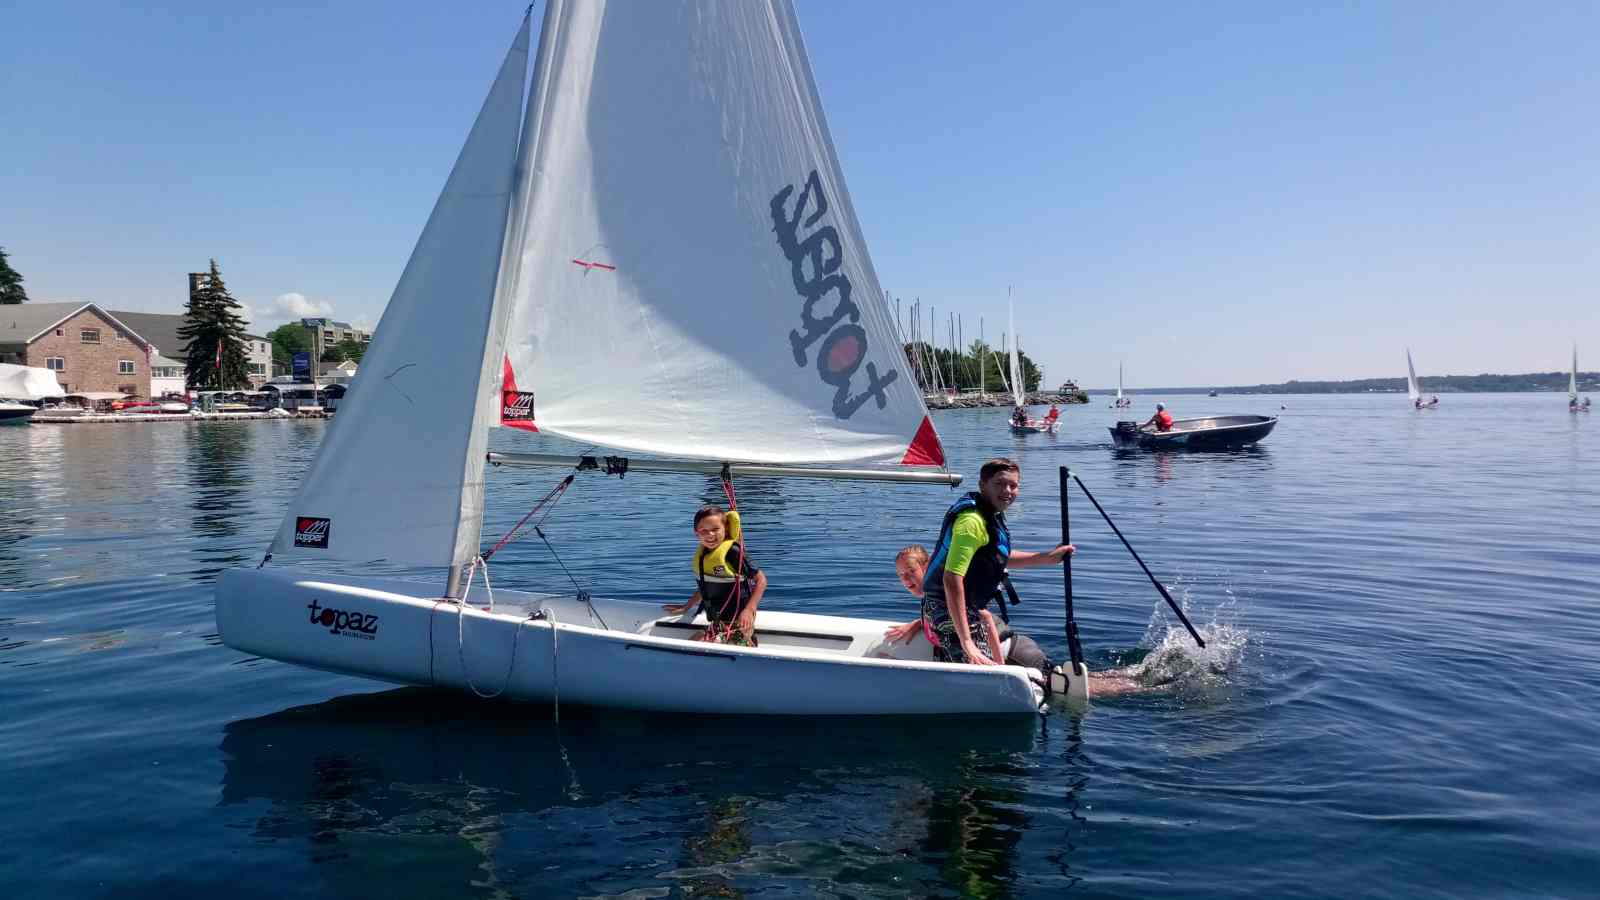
(1413, 389)
(1020, 423)
(1572, 386)
(1121, 401)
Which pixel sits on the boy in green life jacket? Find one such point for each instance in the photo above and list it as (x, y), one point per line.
(730, 585)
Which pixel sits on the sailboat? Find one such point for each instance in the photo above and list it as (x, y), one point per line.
(668, 230)
(1572, 386)
(1413, 389)
(1121, 401)
(1020, 423)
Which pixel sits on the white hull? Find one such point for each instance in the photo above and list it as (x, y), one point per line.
(390, 630)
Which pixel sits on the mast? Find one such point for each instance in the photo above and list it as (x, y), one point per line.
(959, 345)
(1016, 346)
(955, 376)
(983, 370)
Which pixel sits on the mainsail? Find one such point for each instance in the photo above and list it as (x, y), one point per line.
(1572, 380)
(1119, 381)
(692, 279)
(375, 490)
(1412, 389)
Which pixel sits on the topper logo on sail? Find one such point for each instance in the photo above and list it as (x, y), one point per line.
(844, 343)
(310, 531)
(338, 621)
(516, 404)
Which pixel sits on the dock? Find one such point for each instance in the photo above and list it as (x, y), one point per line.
(104, 418)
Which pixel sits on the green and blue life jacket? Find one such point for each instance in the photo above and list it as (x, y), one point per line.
(985, 575)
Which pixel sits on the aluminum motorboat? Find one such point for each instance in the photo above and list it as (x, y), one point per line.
(1205, 433)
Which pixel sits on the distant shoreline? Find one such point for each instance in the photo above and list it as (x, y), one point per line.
(1431, 384)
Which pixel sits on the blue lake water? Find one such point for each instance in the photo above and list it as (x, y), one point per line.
(1401, 699)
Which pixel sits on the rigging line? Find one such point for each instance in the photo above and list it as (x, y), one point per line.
(738, 578)
(554, 495)
(582, 594)
(461, 651)
(555, 668)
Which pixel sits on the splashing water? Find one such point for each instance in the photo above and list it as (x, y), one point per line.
(1175, 662)
(1168, 659)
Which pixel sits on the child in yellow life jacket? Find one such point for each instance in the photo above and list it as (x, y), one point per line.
(730, 584)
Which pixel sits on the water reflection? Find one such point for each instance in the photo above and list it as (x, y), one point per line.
(414, 787)
(30, 458)
(1133, 466)
(221, 472)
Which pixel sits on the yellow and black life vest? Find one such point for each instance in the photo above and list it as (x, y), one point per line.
(718, 575)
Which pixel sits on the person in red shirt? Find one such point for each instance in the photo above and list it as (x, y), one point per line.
(1161, 421)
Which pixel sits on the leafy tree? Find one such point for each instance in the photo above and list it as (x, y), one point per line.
(10, 282)
(287, 340)
(349, 348)
(214, 352)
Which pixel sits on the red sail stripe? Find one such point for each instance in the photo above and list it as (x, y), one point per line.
(925, 449)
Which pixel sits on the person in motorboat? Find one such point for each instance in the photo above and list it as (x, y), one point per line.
(911, 565)
(970, 560)
(730, 584)
(1161, 421)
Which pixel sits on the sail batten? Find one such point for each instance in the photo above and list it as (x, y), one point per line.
(692, 280)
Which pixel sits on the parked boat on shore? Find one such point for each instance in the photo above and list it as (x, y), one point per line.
(12, 413)
(22, 390)
(1203, 433)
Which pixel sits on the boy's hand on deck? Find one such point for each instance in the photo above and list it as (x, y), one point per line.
(902, 634)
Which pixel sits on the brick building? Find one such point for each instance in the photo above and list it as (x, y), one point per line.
(87, 347)
(93, 349)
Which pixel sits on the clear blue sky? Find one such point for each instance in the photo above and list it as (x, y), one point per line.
(1222, 195)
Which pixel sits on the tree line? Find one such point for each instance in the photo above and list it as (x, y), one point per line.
(935, 367)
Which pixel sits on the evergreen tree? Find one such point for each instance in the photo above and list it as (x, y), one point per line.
(214, 352)
(10, 282)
